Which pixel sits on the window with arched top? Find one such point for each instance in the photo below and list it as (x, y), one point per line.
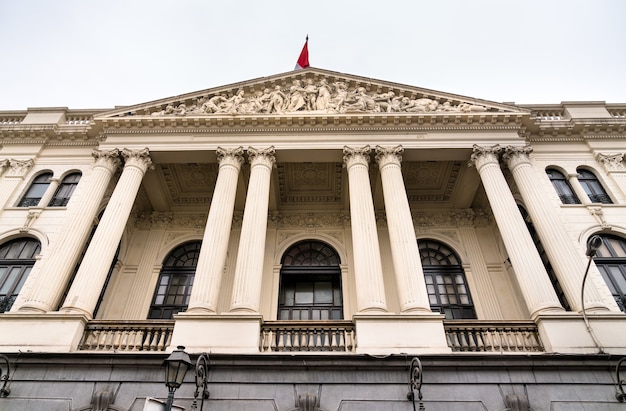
(310, 283)
(35, 192)
(611, 262)
(562, 187)
(175, 281)
(17, 258)
(593, 187)
(447, 288)
(65, 190)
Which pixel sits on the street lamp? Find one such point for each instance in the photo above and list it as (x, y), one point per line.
(5, 391)
(176, 366)
(593, 245)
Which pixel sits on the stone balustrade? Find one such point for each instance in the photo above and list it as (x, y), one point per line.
(127, 336)
(307, 336)
(493, 336)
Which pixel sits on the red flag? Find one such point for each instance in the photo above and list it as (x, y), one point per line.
(303, 60)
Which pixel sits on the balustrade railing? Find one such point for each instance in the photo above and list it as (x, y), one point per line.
(127, 335)
(504, 336)
(307, 336)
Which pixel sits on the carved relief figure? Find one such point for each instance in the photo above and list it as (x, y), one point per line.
(312, 96)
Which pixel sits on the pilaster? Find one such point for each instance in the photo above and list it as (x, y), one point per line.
(13, 176)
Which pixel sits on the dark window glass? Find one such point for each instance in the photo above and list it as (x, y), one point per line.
(544, 258)
(592, 187)
(175, 281)
(17, 258)
(65, 190)
(445, 281)
(562, 187)
(310, 283)
(611, 262)
(36, 190)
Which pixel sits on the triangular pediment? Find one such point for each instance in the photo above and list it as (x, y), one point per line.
(312, 92)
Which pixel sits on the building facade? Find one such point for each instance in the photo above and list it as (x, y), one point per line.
(313, 232)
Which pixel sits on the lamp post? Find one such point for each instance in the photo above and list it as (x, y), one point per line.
(5, 391)
(593, 245)
(176, 366)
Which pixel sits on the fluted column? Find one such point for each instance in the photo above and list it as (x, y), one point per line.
(15, 173)
(91, 276)
(568, 262)
(368, 270)
(249, 267)
(212, 258)
(531, 275)
(404, 250)
(60, 261)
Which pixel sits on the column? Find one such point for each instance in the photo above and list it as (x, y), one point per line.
(249, 267)
(17, 169)
(568, 262)
(368, 269)
(404, 250)
(531, 275)
(90, 278)
(212, 258)
(578, 188)
(60, 261)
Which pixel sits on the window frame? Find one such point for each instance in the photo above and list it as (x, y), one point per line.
(561, 185)
(29, 199)
(593, 186)
(9, 292)
(610, 259)
(65, 190)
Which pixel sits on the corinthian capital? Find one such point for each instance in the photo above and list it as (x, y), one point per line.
(230, 156)
(352, 155)
(264, 156)
(19, 168)
(109, 159)
(514, 156)
(611, 162)
(389, 154)
(484, 155)
(138, 158)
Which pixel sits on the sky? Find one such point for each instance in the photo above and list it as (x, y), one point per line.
(85, 54)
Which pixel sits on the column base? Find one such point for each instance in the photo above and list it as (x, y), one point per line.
(567, 333)
(51, 332)
(400, 334)
(228, 334)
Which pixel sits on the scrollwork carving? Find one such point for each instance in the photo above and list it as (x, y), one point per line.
(19, 168)
(612, 162)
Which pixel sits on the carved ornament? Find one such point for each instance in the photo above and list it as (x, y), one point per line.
(315, 96)
(612, 162)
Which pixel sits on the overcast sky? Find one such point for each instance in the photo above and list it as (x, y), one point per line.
(106, 53)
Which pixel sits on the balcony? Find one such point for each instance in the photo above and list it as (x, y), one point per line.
(493, 336)
(102, 335)
(277, 336)
(314, 336)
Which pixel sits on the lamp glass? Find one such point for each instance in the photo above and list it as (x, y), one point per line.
(176, 366)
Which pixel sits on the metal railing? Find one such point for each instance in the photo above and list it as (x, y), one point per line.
(307, 336)
(102, 335)
(493, 336)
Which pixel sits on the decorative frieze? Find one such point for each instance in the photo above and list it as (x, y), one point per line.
(314, 96)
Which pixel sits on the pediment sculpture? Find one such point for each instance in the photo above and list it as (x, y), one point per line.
(314, 96)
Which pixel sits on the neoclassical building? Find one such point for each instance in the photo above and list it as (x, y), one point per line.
(313, 232)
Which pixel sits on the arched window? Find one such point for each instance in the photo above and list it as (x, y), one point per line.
(17, 258)
(310, 283)
(544, 258)
(65, 190)
(611, 261)
(562, 187)
(447, 288)
(592, 187)
(175, 281)
(36, 190)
